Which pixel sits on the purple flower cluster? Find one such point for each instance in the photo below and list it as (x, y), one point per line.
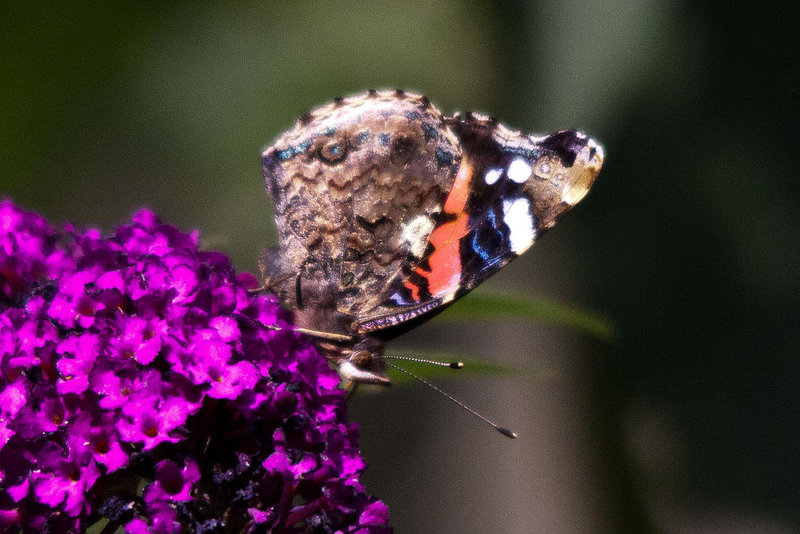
(142, 385)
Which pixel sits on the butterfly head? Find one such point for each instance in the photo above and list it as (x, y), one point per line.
(363, 363)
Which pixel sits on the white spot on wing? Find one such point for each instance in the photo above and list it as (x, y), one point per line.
(518, 218)
(492, 175)
(416, 233)
(519, 171)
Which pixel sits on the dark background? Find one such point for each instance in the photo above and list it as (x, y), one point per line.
(686, 422)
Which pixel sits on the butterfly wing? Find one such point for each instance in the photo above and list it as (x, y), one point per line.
(356, 186)
(509, 189)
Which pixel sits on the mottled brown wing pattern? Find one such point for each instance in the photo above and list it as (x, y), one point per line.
(355, 187)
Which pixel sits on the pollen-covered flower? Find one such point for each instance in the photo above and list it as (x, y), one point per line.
(143, 384)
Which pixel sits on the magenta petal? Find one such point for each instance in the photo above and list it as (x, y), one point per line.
(174, 413)
(19, 492)
(114, 459)
(76, 492)
(146, 218)
(185, 281)
(137, 526)
(50, 489)
(352, 462)
(235, 380)
(227, 328)
(277, 462)
(259, 516)
(307, 463)
(375, 513)
(13, 398)
(111, 280)
(5, 435)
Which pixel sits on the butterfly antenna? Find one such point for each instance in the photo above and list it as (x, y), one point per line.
(451, 365)
(506, 432)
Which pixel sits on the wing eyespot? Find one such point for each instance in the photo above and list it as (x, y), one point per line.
(334, 150)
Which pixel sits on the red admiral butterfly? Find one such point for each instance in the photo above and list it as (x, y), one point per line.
(387, 212)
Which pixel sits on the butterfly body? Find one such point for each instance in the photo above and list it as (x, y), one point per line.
(387, 211)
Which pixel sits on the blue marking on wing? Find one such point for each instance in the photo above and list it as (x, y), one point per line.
(479, 250)
(478, 247)
(398, 299)
(293, 151)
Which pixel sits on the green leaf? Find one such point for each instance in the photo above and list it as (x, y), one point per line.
(477, 306)
(98, 526)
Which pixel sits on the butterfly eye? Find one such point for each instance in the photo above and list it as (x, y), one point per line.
(334, 150)
(361, 358)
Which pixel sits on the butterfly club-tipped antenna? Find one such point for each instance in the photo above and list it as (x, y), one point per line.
(453, 365)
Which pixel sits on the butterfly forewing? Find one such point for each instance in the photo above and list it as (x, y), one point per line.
(508, 190)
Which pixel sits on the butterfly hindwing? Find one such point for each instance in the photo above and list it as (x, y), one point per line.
(356, 186)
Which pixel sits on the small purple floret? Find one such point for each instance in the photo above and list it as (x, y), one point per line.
(143, 384)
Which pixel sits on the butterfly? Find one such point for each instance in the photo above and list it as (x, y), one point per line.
(387, 212)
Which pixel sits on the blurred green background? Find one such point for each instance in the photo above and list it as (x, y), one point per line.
(687, 421)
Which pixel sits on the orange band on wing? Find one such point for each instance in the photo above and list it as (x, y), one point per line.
(459, 193)
(445, 260)
(414, 288)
